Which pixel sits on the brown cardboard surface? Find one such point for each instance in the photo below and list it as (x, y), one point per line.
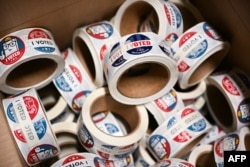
(231, 19)
(60, 17)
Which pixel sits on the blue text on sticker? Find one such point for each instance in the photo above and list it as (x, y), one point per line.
(198, 50)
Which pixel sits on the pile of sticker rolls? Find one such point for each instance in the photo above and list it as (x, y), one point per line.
(143, 89)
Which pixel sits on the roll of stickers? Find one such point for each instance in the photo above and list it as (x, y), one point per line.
(60, 112)
(162, 18)
(191, 95)
(234, 141)
(228, 93)
(138, 70)
(202, 156)
(30, 128)
(74, 84)
(172, 19)
(143, 157)
(90, 43)
(93, 160)
(173, 162)
(29, 58)
(96, 141)
(166, 106)
(178, 134)
(198, 51)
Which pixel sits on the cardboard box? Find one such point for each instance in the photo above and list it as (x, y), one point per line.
(61, 18)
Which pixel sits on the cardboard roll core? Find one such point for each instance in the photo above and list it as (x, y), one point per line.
(84, 55)
(126, 113)
(139, 82)
(134, 15)
(207, 67)
(31, 72)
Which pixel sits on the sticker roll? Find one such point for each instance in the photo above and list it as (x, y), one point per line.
(135, 15)
(90, 44)
(198, 52)
(233, 141)
(178, 134)
(228, 94)
(30, 128)
(29, 58)
(74, 83)
(57, 110)
(173, 21)
(138, 70)
(90, 159)
(96, 141)
(173, 162)
(191, 94)
(202, 156)
(165, 106)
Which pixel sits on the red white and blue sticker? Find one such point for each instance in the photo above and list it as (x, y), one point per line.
(198, 126)
(100, 30)
(41, 41)
(75, 160)
(160, 146)
(183, 66)
(243, 111)
(32, 106)
(172, 37)
(79, 99)
(12, 49)
(85, 137)
(40, 127)
(173, 15)
(210, 31)
(198, 51)
(116, 56)
(138, 44)
(231, 142)
(229, 86)
(41, 152)
(168, 102)
(62, 84)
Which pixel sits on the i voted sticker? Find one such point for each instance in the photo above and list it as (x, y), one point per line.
(41, 41)
(12, 49)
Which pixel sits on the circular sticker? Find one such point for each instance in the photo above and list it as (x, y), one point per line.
(160, 146)
(138, 44)
(79, 99)
(100, 30)
(41, 152)
(41, 41)
(229, 86)
(243, 111)
(210, 31)
(62, 84)
(85, 137)
(168, 102)
(12, 49)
